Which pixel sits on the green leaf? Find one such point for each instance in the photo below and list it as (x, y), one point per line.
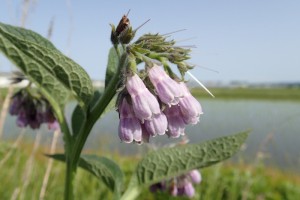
(78, 119)
(170, 162)
(112, 65)
(96, 97)
(167, 163)
(109, 107)
(46, 66)
(55, 92)
(79, 115)
(103, 168)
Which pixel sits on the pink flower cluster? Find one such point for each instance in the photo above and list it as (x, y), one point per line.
(141, 115)
(32, 112)
(179, 186)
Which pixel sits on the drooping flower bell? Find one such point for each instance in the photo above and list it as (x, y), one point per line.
(189, 106)
(129, 126)
(176, 125)
(157, 125)
(144, 103)
(167, 89)
(161, 104)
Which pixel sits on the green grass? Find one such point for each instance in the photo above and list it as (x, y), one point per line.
(250, 93)
(222, 181)
(292, 94)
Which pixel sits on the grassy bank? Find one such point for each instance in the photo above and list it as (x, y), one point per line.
(223, 181)
(250, 93)
(292, 94)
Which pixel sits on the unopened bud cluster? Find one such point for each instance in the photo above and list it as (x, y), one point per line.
(179, 186)
(32, 111)
(153, 101)
(123, 34)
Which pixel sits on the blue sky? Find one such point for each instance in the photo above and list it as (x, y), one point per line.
(254, 41)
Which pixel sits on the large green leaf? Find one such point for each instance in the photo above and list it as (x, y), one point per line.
(46, 66)
(169, 162)
(55, 92)
(103, 168)
(112, 65)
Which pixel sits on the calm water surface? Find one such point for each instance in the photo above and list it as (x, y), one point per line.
(275, 130)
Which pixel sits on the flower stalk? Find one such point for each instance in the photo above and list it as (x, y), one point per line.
(96, 111)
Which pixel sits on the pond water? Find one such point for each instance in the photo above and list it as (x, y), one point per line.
(274, 125)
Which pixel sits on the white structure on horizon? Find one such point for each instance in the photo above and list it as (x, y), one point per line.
(5, 81)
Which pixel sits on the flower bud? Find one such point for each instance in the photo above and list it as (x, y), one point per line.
(176, 124)
(157, 125)
(189, 106)
(113, 36)
(195, 176)
(145, 105)
(129, 127)
(123, 33)
(166, 88)
(189, 189)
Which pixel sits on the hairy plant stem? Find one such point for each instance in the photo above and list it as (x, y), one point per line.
(70, 168)
(132, 191)
(69, 182)
(73, 146)
(97, 111)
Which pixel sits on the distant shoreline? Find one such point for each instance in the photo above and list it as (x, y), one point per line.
(253, 93)
(292, 94)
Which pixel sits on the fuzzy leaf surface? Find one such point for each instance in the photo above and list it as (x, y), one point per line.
(112, 65)
(46, 66)
(79, 115)
(78, 119)
(170, 162)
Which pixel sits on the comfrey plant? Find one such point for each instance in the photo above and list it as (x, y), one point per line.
(152, 101)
